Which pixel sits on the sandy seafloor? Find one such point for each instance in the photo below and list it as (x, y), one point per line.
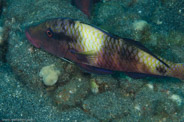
(23, 96)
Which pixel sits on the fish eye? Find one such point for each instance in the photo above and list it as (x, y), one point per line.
(49, 33)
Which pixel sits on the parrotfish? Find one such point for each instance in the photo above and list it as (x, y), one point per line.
(98, 51)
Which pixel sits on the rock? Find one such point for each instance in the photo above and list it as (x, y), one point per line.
(72, 93)
(94, 86)
(102, 83)
(155, 103)
(50, 74)
(77, 115)
(108, 106)
(130, 87)
(140, 25)
(18, 102)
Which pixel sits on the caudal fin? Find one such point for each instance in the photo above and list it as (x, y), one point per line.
(177, 71)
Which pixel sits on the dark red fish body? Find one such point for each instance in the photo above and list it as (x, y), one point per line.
(98, 51)
(85, 6)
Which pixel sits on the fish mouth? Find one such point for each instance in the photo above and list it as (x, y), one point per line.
(31, 40)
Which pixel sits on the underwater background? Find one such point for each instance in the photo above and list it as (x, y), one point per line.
(27, 95)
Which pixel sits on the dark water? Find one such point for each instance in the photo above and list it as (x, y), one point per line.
(79, 96)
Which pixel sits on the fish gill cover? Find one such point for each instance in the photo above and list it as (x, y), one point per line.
(79, 96)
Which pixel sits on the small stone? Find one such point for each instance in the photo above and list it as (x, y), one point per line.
(137, 107)
(140, 25)
(94, 86)
(150, 86)
(176, 98)
(50, 75)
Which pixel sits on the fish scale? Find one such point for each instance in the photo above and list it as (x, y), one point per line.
(98, 51)
(90, 41)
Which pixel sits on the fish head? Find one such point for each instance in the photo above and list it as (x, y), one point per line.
(47, 37)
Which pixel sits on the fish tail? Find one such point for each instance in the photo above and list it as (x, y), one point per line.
(162, 67)
(172, 69)
(176, 70)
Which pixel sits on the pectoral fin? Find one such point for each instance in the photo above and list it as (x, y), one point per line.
(86, 56)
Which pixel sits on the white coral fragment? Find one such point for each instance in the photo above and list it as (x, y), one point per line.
(49, 74)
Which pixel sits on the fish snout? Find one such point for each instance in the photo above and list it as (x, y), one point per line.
(30, 38)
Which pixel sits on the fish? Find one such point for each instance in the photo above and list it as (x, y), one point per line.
(84, 5)
(97, 51)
